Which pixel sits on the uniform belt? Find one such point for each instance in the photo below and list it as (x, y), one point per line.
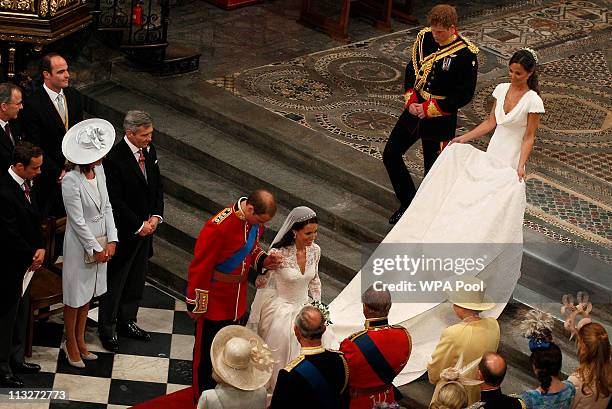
(228, 278)
(370, 391)
(427, 96)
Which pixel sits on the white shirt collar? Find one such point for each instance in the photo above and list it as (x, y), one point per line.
(20, 181)
(52, 94)
(133, 147)
(3, 123)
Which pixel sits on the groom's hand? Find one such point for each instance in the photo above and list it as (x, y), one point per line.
(261, 281)
(273, 261)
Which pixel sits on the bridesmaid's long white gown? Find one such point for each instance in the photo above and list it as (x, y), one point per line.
(469, 196)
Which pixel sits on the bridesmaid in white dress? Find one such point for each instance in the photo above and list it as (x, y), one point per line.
(292, 282)
(468, 197)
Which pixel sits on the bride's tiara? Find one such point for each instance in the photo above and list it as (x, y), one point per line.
(532, 52)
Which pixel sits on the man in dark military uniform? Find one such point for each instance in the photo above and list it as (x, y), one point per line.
(492, 370)
(440, 79)
(318, 377)
(377, 354)
(227, 247)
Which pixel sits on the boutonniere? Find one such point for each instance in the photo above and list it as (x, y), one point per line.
(148, 148)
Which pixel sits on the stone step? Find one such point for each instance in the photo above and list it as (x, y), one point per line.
(243, 162)
(290, 142)
(203, 194)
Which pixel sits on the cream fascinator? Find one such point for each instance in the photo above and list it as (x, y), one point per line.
(458, 373)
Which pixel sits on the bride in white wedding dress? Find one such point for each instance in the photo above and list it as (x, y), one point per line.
(468, 197)
(287, 288)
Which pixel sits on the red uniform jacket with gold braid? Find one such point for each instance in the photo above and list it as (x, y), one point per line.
(395, 345)
(222, 236)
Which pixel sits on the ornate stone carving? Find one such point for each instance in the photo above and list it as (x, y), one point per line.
(18, 5)
(44, 8)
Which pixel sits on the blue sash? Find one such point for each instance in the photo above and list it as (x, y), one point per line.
(376, 360)
(317, 382)
(238, 257)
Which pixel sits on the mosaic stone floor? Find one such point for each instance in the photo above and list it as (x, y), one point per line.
(353, 94)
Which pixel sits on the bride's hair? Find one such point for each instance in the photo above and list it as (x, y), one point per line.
(527, 59)
(289, 238)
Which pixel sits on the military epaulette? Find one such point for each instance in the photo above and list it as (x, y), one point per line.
(222, 215)
(294, 363)
(470, 45)
(423, 31)
(476, 405)
(358, 334)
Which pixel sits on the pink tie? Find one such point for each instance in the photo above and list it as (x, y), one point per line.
(141, 161)
(26, 190)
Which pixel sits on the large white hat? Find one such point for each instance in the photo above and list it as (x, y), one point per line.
(471, 295)
(88, 141)
(241, 358)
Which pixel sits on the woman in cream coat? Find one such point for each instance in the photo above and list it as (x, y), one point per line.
(90, 226)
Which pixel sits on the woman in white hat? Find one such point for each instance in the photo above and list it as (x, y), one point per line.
(91, 235)
(242, 365)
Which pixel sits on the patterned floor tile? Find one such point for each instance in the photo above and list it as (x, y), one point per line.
(129, 393)
(83, 388)
(182, 346)
(180, 372)
(155, 320)
(140, 368)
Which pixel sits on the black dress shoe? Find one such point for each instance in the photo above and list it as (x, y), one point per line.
(110, 343)
(10, 381)
(397, 215)
(25, 368)
(131, 330)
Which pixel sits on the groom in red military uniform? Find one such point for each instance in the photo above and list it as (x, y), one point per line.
(377, 354)
(228, 246)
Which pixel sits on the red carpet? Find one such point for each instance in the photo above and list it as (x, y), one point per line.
(182, 399)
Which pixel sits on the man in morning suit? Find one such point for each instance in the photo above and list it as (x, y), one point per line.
(135, 191)
(492, 370)
(377, 354)
(47, 114)
(227, 247)
(10, 104)
(21, 249)
(440, 79)
(318, 378)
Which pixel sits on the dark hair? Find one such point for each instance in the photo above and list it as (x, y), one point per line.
(83, 168)
(442, 14)
(491, 378)
(45, 63)
(289, 237)
(546, 363)
(24, 152)
(528, 61)
(263, 202)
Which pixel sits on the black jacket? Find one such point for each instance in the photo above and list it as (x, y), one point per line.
(6, 146)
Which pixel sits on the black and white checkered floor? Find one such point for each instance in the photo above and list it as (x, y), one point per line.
(140, 371)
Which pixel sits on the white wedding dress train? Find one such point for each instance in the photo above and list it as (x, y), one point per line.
(468, 196)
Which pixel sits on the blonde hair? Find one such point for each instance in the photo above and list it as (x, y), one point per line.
(451, 395)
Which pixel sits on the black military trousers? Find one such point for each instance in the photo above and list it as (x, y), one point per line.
(403, 136)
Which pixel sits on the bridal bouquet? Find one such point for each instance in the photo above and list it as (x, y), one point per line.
(324, 310)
